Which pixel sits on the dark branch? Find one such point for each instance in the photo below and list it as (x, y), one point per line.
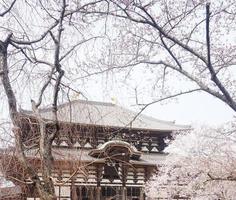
(214, 78)
(44, 88)
(213, 178)
(8, 10)
(170, 52)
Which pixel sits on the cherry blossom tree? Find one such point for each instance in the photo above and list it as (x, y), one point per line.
(189, 42)
(201, 165)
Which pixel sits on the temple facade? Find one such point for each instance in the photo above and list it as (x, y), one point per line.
(102, 151)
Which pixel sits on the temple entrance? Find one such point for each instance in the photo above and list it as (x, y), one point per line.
(109, 193)
(112, 175)
(118, 193)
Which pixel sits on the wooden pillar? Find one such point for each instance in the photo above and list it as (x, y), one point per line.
(98, 193)
(74, 195)
(123, 193)
(118, 192)
(80, 193)
(124, 179)
(99, 179)
(91, 193)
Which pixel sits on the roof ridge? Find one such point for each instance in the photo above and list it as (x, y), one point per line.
(48, 107)
(93, 102)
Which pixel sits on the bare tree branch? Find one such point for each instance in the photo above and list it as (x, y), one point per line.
(8, 10)
(214, 77)
(171, 53)
(159, 100)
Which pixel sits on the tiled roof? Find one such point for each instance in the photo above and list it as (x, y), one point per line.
(107, 114)
(82, 155)
(68, 154)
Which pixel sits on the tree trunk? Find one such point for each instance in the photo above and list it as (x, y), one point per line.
(46, 189)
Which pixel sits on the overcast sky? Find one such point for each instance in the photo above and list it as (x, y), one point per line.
(195, 108)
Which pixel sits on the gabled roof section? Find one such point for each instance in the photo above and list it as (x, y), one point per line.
(108, 115)
(101, 152)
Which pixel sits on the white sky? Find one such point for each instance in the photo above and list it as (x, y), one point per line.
(195, 108)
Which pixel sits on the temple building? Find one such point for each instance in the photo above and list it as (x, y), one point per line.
(103, 151)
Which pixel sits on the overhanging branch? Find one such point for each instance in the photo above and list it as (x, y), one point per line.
(8, 10)
(228, 99)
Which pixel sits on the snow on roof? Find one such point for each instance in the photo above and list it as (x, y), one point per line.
(109, 115)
